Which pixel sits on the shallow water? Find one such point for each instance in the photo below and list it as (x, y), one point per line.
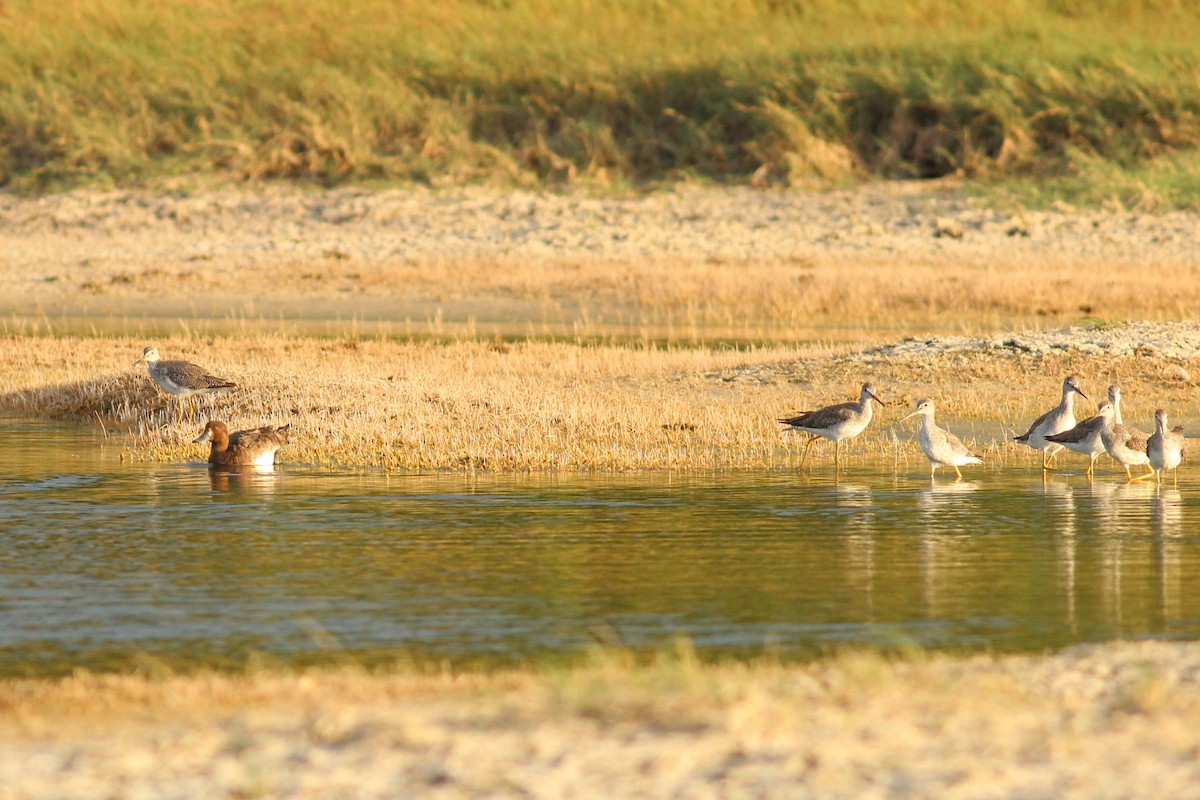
(111, 566)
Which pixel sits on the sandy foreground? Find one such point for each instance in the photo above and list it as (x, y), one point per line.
(1115, 721)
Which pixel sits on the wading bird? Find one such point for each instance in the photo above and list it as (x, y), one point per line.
(182, 379)
(842, 421)
(940, 446)
(1164, 448)
(1053, 421)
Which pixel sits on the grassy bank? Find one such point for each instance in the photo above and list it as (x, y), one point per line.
(555, 406)
(1114, 720)
(603, 92)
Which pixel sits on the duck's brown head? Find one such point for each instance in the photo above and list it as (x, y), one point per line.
(215, 432)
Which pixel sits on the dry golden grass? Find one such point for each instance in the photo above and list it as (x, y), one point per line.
(773, 298)
(492, 406)
(764, 298)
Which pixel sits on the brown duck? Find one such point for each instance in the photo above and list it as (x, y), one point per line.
(255, 447)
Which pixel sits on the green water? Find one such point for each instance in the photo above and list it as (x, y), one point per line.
(106, 565)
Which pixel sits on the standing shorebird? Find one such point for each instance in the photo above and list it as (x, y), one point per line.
(1114, 397)
(940, 446)
(1164, 448)
(182, 379)
(257, 447)
(1054, 421)
(1085, 437)
(843, 421)
(1126, 445)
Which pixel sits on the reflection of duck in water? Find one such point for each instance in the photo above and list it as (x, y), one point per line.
(256, 482)
(255, 447)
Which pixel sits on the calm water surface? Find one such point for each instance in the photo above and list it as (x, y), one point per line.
(107, 565)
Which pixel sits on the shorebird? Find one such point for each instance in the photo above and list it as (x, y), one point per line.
(1126, 445)
(940, 446)
(1054, 421)
(255, 447)
(182, 379)
(842, 421)
(1164, 448)
(1114, 397)
(1084, 438)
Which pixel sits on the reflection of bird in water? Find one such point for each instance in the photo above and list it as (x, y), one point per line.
(857, 498)
(1168, 512)
(940, 446)
(255, 447)
(1056, 420)
(1058, 505)
(243, 481)
(941, 495)
(842, 421)
(1168, 521)
(852, 495)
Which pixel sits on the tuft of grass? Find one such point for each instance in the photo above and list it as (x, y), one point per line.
(608, 93)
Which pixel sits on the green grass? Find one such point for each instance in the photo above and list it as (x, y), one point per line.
(613, 93)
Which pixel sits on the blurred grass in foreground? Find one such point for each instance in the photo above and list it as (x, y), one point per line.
(605, 93)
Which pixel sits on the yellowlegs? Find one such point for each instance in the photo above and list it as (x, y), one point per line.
(1114, 397)
(1085, 438)
(255, 447)
(182, 378)
(842, 421)
(1164, 448)
(1054, 421)
(940, 446)
(1126, 445)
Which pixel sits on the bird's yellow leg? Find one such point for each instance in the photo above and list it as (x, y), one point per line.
(958, 472)
(807, 445)
(1144, 475)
